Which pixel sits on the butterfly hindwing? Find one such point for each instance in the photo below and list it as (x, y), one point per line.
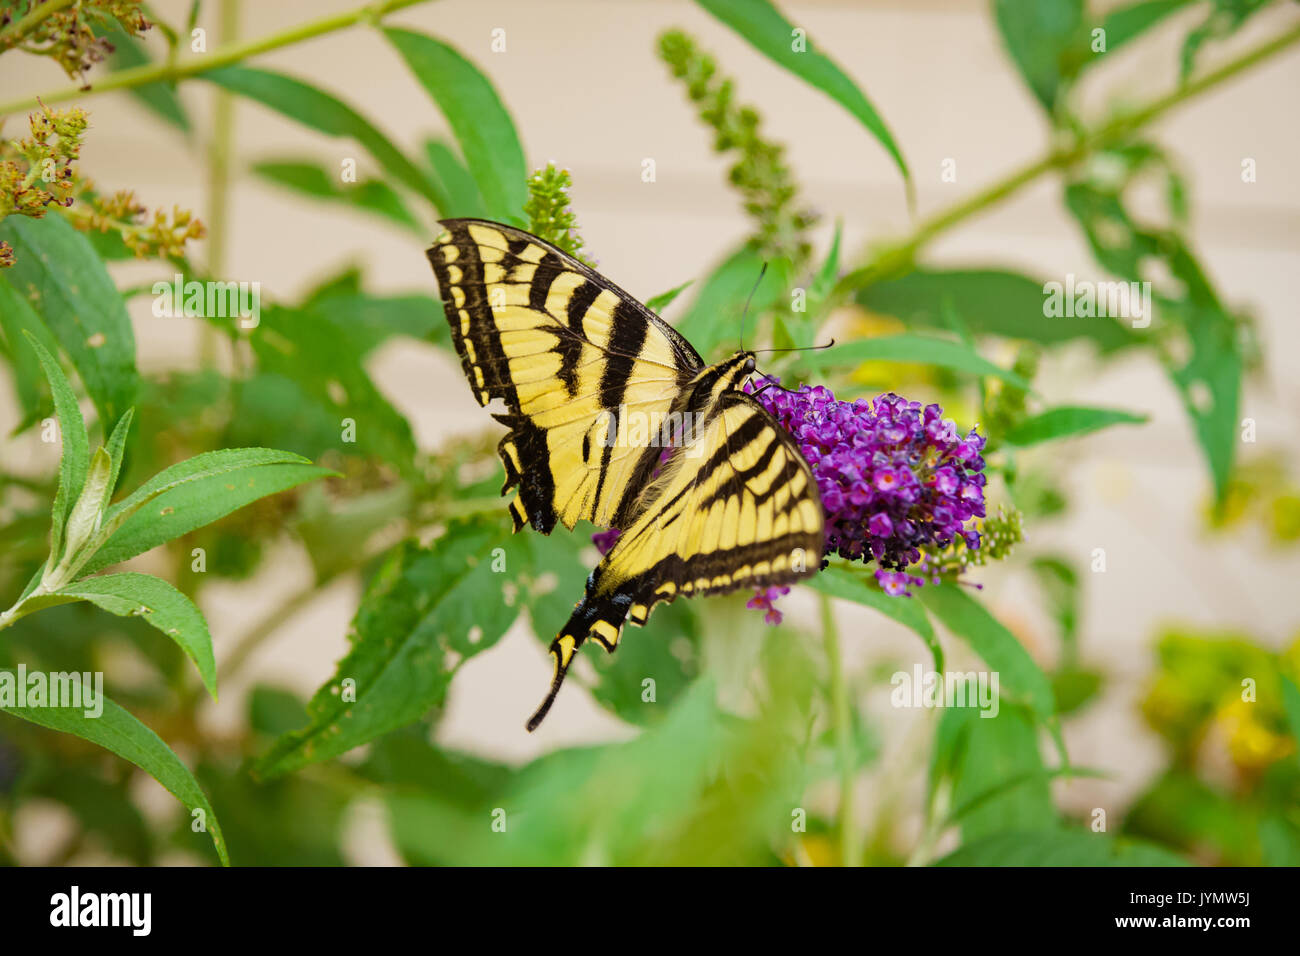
(572, 356)
(739, 508)
(736, 508)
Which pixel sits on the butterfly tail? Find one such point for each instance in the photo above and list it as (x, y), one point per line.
(597, 617)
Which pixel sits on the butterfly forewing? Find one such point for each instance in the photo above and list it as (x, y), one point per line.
(572, 356)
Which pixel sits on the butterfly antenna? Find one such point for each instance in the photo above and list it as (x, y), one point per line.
(560, 670)
(804, 348)
(761, 272)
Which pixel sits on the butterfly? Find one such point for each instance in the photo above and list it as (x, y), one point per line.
(615, 419)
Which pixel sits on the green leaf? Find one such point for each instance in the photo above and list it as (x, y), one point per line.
(1279, 839)
(75, 460)
(992, 302)
(665, 650)
(1129, 22)
(829, 273)
(1210, 384)
(463, 198)
(1224, 18)
(86, 514)
(1210, 380)
(152, 599)
(194, 493)
(67, 285)
(328, 114)
(17, 319)
(715, 313)
(1115, 239)
(425, 612)
(657, 303)
(999, 781)
(116, 447)
(479, 120)
(301, 347)
(1060, 584)
(370, 195)
(843, 583)
(1059, 848)
(1291, 706)
(969, 620)
(335, 530)
(1069, 420)
(118, 731)
(1047, 40)
(297, 820)
(595, 804)
(160, 98)
(364, 321)
(768, 31)
(909, 348)
(1181, 811)
(1074, 688)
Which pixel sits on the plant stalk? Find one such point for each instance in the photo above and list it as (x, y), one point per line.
(842, 721)
(900, 256)
(33, 17)
(222, 56)
(219, 155)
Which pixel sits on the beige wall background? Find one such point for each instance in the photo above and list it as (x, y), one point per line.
(583, 83)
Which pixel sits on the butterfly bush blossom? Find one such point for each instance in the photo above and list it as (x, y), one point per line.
(894, 477)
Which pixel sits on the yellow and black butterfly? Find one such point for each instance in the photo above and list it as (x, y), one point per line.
(578, 364)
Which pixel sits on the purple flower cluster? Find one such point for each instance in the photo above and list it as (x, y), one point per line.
(894, 477)
(764, 599)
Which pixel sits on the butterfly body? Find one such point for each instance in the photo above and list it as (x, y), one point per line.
(615, 419)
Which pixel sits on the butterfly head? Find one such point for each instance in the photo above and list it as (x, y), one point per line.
(712, 382)
(734, 371)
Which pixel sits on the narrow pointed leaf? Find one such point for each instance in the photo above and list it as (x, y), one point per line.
(478, 118)
(322, 111)
(75, 461)
(1069, 420)
(152, 599)
(118, 731)
(67, 285)
(769, 32)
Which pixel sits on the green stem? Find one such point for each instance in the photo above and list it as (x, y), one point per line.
(219, 153)
(470, 506)
(899, 257)
(25, 24)
(268, 625)
(841, 718)
(223, 56)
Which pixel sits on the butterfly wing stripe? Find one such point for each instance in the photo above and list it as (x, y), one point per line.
(688, 357)
(571, 346)
(714, 529)
(573, 357)
(547, 271)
